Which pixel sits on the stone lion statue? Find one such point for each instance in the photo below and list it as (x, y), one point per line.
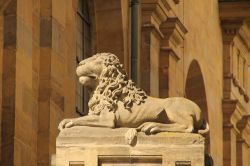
(115, 102)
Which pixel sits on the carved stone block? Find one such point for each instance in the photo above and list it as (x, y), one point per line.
(92, 146)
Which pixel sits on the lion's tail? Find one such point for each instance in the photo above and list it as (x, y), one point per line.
(205, 128)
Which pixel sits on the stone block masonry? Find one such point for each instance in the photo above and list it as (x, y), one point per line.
(92, 146)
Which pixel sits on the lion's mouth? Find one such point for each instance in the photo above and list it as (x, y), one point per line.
(88, 76)
(81, 73)
(91, 76)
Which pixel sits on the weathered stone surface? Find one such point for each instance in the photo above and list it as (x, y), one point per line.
(102, 146)
(117, 102)
(207, 43)
(81, 135)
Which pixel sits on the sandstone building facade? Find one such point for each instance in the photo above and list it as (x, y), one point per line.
(198, 49)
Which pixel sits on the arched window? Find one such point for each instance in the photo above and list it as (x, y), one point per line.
(83, 50)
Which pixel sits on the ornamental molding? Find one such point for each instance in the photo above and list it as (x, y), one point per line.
(242, 91)
(230, 28)
(155, 11)
(228, 108)
(173, 27)
(237, 10)
(239, 118)
(152, 27)
(174, 34)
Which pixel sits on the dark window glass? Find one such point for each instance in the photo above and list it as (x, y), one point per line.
(83, 50)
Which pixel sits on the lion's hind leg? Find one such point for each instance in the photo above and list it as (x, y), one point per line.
(153, 128)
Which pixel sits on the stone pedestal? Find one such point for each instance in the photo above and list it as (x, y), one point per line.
(89, 146)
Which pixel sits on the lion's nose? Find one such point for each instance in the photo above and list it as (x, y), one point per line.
(78, 71)
(81, 63)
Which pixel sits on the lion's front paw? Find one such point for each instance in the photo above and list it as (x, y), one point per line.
(130, 136)
(66, 123)
(149, 127)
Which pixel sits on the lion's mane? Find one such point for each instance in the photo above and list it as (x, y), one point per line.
(114, 86)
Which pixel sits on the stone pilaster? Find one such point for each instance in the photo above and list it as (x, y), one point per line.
(8, 107)
(228, 107)
(44, 75)
(230, 29)
(153, 14)
(171, 52)
(163, 28)
(236, 113)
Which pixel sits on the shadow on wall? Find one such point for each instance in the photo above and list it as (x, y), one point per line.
(195, 91)
(208, 160)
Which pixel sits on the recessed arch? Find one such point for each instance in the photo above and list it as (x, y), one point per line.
(195, 87)
(195, 91)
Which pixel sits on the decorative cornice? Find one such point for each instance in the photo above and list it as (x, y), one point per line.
(173, 24)
(174, 32)
(234, 9)
(235, 117)
(154, 13)
(158, 10)
(232, 14)
(230, 28)
(153, 27)
(240, 118)
(242, 91)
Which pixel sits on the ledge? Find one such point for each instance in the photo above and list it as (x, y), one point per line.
(81, 135)
(92, 146)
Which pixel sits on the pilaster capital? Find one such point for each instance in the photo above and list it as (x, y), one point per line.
(228, 108)
(173, 31)
(234, 9)
(232, 14)
(173, 27)
(155, 11)
(240, 118)
(242, 123)
(230, 28)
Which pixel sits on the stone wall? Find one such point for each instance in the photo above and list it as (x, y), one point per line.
(203, 43)
(38, 70)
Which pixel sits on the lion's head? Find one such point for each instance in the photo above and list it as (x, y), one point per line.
(104, 74)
